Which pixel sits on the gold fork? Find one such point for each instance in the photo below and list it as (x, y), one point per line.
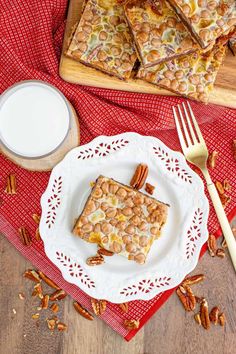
(195, 151)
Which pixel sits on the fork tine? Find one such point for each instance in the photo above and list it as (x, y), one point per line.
(180, 134)
(184, 127)
(193, 136)
(198, 131)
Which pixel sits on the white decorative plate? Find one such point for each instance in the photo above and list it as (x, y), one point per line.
(172, 256)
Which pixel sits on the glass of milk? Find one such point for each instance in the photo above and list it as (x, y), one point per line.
(34, 119)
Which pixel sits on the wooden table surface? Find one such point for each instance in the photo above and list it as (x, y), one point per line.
(170, 330)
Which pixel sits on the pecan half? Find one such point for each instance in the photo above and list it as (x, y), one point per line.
(82, 311)
(212, 159)
(149, 188)
(99, 306)
(220, 253)
(222, 319)
(124, 307)
(204, 314)
(11, 184)
(214, 315)
(104, 252)
(48, 281)
(58, 295)
(36, 218)
(212, 247)
(219, 187)
(54, 307)
(95, 260)
(234, 148)
(194, 279)
(131, 324)
(24, 236)
(139, 177)
(187, 298)
(61, 326)
(197, 318)
(32, 275)
(44, 302)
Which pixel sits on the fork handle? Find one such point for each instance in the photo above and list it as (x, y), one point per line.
(224, 223)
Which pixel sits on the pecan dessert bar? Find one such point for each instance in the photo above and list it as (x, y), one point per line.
(232, 45)
(103, 40)
(192, 76)
(121, 219)
(207, 20)
(158, 33)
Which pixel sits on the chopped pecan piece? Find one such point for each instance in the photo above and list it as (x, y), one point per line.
(44, 302)
(212, 159)
(48, 281)
(198, 299)
(37, 235)
(149, 188)
(21, 296)
(24, 236)
(214, 315)
(222, 319)
(124, 307)
(204, 314)
(194, 279)
(38, 291)
(187, 298)
(36, 218)
(224, 243)
(95, 260)
(61, 326)
(139, 177)
(219, 187)
(99, 306)
(35, 316)
(54, 307)
(197, 318)
(104, 252)
(131, 324)
(82, 311)
(225, 199)
(226, 185)
(32, 275)
(51, 322)
(234, 148)
(11, 184)
(220, 253)
(212, 247)
(58, 295)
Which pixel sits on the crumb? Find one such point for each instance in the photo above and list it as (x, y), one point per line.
(14, 311)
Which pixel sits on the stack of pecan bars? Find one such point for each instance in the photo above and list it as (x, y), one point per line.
(178, 45)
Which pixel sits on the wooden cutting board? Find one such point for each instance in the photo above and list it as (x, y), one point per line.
(70, 70)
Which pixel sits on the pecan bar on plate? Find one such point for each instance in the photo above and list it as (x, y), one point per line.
(102, 39)
(192, 76)
(206, 19)
(121, 219)
(158, 33)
